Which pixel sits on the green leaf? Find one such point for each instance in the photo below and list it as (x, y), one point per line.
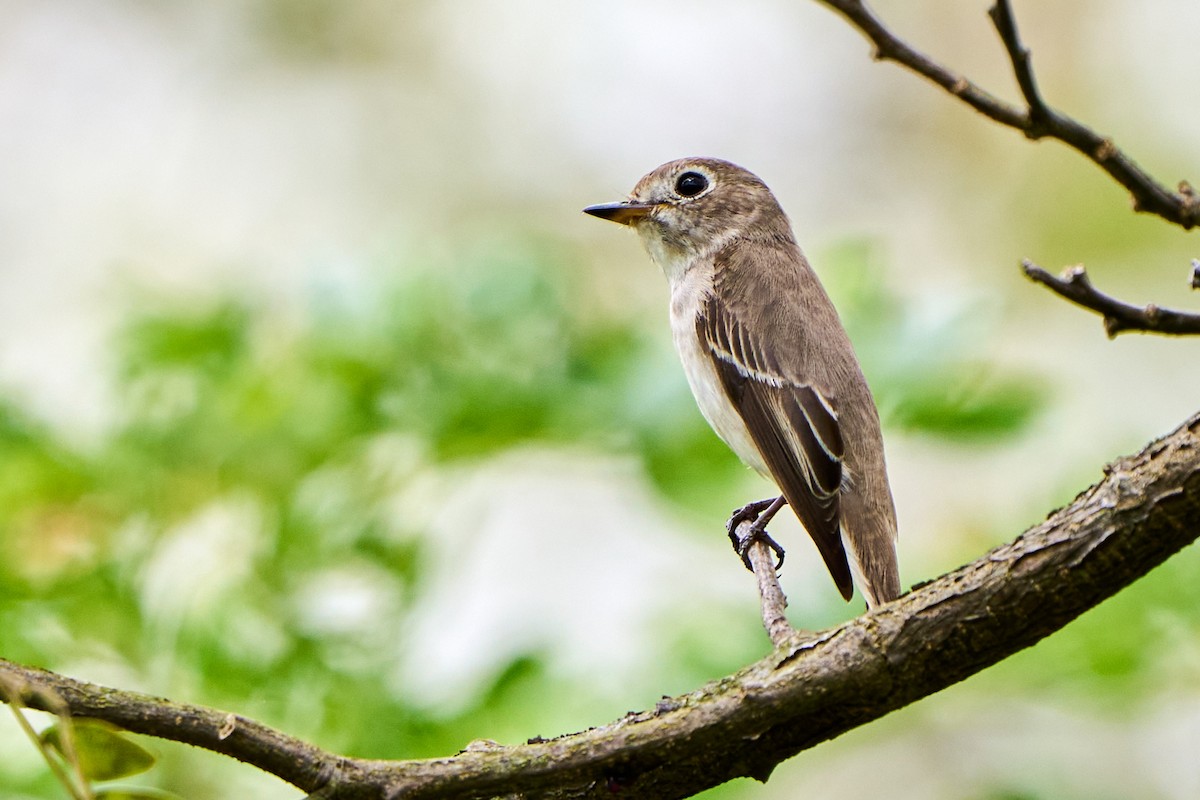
(104, 752)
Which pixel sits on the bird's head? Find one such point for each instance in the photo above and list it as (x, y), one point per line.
(693, 207)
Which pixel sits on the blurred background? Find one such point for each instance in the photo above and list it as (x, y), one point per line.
(321, 401)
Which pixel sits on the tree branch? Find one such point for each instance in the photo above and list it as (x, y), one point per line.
(1037, 120)
(1145, 509)
(1119, 317)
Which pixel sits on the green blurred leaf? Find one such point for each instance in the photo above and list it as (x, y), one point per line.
(103, 751)
(211, 339)
(965, 401)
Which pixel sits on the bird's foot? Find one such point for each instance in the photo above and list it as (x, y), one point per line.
(761, 512)
(746, 513)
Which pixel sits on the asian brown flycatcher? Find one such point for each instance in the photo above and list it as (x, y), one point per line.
(770, 363)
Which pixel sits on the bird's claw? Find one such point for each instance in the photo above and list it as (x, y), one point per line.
(742, 546)
(756, 532)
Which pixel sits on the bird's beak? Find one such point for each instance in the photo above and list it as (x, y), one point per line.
(625, 213)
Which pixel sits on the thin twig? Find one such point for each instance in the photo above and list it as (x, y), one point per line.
(1119, 316)
(770, 593)
(1037, 120)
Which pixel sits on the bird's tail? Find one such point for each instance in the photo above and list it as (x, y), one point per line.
(872, 551)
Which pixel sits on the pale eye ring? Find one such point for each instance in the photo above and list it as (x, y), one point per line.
(690, 184)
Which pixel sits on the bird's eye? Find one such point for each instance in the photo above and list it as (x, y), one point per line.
(690, 184)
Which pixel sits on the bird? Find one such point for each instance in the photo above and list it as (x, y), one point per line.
(770, 364)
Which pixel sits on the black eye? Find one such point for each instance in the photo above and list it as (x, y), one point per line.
(690, 184)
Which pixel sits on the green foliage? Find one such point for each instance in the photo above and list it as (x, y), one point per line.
(256, 451)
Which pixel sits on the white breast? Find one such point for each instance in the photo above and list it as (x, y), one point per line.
(687, 291)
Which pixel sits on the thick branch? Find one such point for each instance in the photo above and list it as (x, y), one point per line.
(1119, 317)
(1146, 508)
(1037, 119)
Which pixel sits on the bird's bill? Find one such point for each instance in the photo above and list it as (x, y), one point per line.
(623, 213)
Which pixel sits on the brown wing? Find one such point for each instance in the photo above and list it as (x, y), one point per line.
(792, 424)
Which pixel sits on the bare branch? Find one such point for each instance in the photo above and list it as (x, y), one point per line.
(1145, 509)
(1119, 317)
(1038, 120)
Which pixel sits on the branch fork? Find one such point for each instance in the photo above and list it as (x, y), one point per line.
(1037, 120)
